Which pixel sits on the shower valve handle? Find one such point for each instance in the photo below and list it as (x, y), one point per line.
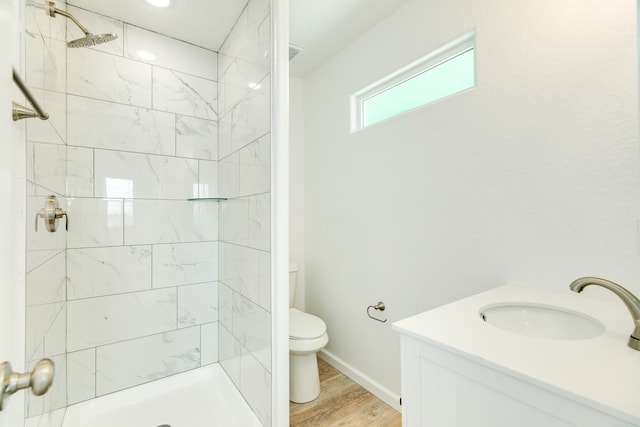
(51, 213)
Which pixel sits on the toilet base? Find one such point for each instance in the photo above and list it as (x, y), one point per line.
(304, 379)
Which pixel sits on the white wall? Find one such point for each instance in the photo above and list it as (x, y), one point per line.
(529, 179)
(296, 185)
(12, 192)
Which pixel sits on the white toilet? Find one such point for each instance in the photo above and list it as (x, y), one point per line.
(307, 336)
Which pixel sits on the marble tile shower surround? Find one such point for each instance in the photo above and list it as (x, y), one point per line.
(130, 294)
(141, 271)
(244, 297)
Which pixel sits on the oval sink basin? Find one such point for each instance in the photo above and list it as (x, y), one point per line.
(542, 321)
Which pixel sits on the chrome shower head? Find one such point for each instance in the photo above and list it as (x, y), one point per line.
(89, 38)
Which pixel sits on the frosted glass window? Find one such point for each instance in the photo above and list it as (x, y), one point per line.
(449, 70)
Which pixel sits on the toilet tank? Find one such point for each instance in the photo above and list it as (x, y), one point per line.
(293, 277)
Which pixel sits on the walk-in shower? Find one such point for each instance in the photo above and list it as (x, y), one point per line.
(150, 283)
(89, 38)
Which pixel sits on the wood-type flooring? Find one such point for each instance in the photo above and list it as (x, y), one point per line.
(342, 402)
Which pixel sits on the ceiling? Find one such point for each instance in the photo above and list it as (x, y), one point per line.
(205, 23)
(323, 28)
(320, 28)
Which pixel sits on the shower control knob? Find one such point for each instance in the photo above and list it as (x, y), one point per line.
(51, 213)
(39, 380)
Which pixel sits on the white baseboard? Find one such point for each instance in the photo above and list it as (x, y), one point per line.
(375, 388)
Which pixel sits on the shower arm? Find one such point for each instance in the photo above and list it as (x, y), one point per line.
(53, 11)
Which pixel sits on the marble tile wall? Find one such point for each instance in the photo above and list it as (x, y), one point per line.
(46, 305)
(244, 297)
(130, 293)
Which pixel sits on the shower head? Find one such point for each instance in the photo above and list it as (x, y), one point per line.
(89, 38)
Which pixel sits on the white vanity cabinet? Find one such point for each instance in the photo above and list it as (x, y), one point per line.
(454, 376)
(444, 389)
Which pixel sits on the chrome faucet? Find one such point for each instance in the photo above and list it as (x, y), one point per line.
(630, 300)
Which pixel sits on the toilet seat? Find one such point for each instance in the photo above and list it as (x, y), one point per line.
(299, 347)
(305, 326)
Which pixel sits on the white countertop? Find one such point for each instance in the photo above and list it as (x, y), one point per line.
(601, 372)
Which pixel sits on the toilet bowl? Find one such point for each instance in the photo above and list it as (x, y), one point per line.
(307, 336)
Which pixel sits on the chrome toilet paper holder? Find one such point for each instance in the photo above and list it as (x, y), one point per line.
(380, 307)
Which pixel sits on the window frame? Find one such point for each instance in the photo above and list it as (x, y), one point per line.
(432, 60)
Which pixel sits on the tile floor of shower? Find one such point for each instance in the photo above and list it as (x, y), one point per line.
(342, 402)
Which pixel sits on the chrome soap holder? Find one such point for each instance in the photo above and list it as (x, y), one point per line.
(51, 213)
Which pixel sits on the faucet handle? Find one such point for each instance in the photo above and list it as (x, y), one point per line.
(51, 213)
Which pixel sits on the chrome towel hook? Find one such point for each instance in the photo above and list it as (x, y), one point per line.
(380, 307)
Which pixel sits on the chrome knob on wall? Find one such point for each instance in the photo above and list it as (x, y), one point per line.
(39, 380)
(51, 213)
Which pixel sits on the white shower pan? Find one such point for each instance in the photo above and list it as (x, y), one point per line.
(202, 397)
